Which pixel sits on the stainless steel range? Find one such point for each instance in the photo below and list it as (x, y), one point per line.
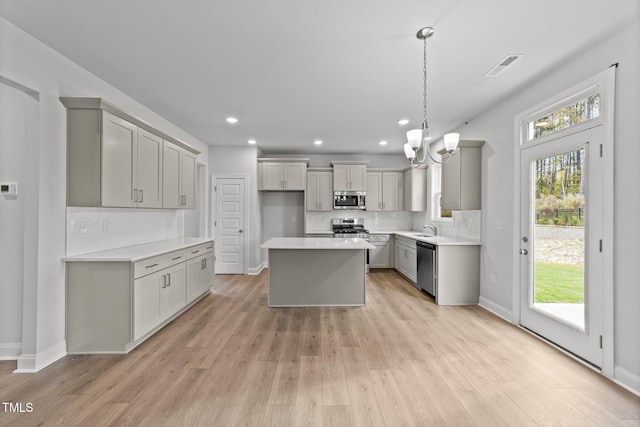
(351, 228)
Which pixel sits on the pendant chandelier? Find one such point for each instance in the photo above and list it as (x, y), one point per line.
(418, 139)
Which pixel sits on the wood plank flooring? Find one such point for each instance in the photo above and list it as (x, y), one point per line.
(399, 361)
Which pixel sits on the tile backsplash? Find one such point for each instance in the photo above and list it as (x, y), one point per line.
(373, 221)
(98, 229)
(465, 225)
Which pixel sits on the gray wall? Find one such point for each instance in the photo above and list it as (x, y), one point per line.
(496, 127)
(282, 214)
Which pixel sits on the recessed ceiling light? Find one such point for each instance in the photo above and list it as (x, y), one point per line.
(317, 142)
(251, 141)
(403, 122)
(383, 142)
(232, 120)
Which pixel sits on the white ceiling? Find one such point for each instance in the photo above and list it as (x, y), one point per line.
(292, 71)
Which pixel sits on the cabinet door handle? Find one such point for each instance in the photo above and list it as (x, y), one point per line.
(168, 279)
(164, 281)
(151, 266)
(141, 196)
(135, 195)
(175, 258)
(195, 252)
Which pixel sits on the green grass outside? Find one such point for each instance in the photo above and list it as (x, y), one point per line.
(559, 282)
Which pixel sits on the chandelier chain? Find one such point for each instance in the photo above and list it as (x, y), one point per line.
(424, 86)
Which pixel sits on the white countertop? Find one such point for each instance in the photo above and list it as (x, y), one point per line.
(436, 240)
(315, 243)
(139, 252)
(417, 235)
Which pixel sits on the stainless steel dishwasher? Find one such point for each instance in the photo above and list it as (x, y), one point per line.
(427, 274)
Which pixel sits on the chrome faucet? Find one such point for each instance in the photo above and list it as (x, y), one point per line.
(432, 227)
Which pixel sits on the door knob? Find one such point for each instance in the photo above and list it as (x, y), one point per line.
(523, 252)
(240, 231)
(525, 239)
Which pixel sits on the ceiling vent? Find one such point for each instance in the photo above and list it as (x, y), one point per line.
(502, 65)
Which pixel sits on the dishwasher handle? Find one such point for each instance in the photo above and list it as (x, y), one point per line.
(426, 245)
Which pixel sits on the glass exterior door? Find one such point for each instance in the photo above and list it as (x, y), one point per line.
(561, 266)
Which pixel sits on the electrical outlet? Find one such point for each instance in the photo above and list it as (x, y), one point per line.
(492, 279)
(499, 225)
(105, 226)
(81, 227)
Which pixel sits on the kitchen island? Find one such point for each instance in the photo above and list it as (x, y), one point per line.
(316, 271)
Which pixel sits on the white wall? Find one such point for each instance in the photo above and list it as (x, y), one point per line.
(496, 128)
(29, 62)
(13, 162)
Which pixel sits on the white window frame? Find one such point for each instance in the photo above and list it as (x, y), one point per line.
(436, 193)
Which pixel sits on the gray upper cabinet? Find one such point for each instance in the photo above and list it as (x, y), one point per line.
(384, 191)
(349, 177)
(149, 169)
(415, 190)
(116, 160)
(178, 177)
(461, 177)
(282, 174)
(319, 194)
(118, 176)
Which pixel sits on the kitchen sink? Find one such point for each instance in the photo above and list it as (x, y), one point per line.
(423, 235)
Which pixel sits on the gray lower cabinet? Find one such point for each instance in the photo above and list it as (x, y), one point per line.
(112, 306)
(384, 254)
(406, 258)
(200, 270)
(458, 281)
(157, 297)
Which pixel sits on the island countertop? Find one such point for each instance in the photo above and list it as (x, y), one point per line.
(315, 243)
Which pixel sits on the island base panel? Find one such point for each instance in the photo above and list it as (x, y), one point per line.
(316, 277)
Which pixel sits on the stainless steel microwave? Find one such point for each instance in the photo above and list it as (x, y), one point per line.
(349, 200)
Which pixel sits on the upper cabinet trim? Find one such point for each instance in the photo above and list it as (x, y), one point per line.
(283, 160)
(100, 104)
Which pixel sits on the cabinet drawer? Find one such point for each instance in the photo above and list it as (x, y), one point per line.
(198, 250)
(379, 238)
(406, 241)
(151, 265)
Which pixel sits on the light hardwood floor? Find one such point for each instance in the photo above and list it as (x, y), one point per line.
(401, 360)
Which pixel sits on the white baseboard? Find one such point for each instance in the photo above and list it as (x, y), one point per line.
(627, 380)
(10, 351)
(257, 270)
(30, 363)
(496, 309)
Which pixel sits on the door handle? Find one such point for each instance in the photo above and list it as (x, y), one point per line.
(240, 230)
(524, 252)
(141, 196)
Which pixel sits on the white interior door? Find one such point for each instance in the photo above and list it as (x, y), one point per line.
(230, 225)
(561, 231)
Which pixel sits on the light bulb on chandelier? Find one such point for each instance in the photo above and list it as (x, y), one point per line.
(418, 139)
